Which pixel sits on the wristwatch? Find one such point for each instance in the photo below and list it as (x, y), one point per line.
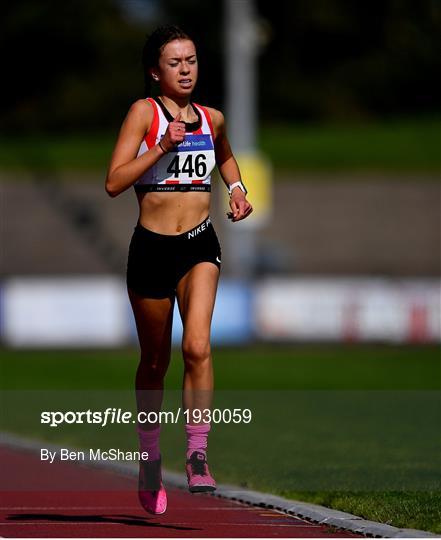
(238, 184)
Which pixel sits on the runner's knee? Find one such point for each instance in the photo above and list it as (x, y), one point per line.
(195, 351)
(153, 367)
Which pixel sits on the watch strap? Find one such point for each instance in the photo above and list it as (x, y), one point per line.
(238, 184)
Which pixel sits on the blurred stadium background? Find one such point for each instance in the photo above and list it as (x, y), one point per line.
(340, 151)
(334, 284)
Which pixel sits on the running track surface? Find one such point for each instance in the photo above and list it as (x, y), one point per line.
(32, 505)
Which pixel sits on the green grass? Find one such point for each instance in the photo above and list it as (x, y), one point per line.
(396, 146)
(302, 367)
(54, 154)
(328, 425)
(400, 146)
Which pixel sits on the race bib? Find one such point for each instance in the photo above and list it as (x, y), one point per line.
(192, 160)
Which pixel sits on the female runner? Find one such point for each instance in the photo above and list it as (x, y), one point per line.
(166, 149)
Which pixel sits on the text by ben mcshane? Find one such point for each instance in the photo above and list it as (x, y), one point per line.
(92, 454)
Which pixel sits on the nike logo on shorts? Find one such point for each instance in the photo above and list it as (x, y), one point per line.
(218, 260)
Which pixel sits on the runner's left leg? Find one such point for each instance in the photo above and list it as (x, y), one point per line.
(196, 293)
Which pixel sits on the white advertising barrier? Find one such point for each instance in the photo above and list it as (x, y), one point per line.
(348, 309)
(74, 312)
(95, 311)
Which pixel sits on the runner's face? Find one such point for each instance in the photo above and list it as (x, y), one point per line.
(178, 68)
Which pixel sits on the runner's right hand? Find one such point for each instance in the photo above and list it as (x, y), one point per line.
(174, 134)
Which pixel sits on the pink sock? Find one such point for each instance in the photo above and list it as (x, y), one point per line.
(197, 438)
(149, 442)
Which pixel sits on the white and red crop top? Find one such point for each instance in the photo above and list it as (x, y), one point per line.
(188, 166)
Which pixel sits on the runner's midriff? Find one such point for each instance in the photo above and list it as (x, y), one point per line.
(172, 212)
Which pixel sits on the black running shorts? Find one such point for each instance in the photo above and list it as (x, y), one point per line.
(156, 262)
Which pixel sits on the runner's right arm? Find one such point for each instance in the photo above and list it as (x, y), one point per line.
(125, 168)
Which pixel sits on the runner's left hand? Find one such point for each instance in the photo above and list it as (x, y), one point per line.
(239, 205)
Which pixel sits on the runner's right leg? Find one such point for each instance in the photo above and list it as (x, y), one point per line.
(154, 325)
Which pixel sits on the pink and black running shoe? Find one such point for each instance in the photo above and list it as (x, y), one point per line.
(151, 491)
(198, 474)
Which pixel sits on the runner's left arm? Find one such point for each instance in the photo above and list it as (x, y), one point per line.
(228, 167)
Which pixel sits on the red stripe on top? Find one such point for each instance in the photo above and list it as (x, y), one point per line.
(208, 118)
(196, 181)
(150, 137)
(172, 181)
